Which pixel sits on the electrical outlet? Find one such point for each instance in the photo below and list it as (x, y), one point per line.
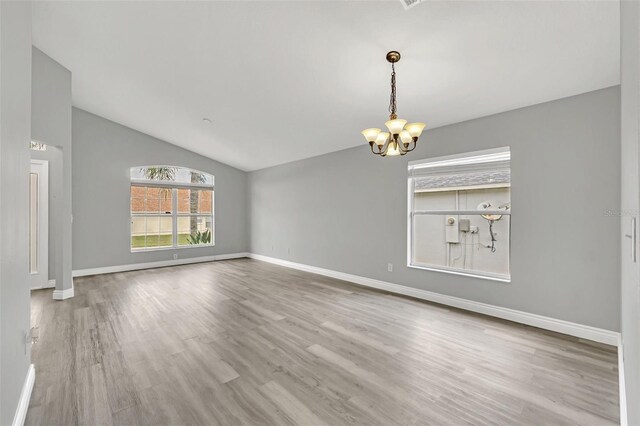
(474, 229)
(175, 256)
(390, 267)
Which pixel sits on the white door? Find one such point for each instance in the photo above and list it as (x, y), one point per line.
(39, 224)
(630, 209)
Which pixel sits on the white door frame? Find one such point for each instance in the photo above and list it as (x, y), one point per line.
(40, 277)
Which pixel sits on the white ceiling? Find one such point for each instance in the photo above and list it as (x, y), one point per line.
(282, 81)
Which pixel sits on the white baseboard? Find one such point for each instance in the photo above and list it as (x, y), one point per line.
(621, 384)
(25, 397)
(230, 256)
(63, 294)
(151, 265)
(547, 323)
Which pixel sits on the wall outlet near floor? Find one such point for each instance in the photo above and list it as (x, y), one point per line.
(390, 267)
(175, 256)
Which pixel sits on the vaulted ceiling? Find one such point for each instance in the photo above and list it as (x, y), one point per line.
(286, 80)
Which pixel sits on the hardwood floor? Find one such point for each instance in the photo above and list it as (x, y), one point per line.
(247, 342)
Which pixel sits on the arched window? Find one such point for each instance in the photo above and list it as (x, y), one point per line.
(171, 207)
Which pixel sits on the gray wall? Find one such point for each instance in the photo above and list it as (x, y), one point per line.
(15, 107)
(347, 210)
(103, 153)
(630, 203)
(51, 124)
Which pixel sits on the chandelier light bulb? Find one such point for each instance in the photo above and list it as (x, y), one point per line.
(371, 134)
(395, 126)
(393, 149)
(382, 138)
(405, 137)
(415, 129)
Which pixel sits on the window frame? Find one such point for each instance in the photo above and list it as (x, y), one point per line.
(173, 186)
(468, 161)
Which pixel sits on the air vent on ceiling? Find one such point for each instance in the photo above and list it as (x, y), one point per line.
(409, 3)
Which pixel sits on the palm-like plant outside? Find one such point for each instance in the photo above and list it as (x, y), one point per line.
(200, 237)
(194, 197)
(160, 173)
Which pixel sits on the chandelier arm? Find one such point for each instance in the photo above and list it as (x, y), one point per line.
(371, 146)
(386, 145)
(379, 152)
(412, 147)
(381, 149)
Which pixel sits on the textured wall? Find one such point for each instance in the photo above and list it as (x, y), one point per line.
(51, 124)
(347, 211)
(103, 153)
(15, 113)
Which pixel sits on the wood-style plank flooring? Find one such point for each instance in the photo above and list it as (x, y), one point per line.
(246, 342)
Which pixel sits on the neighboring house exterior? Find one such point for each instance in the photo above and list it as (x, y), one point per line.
(157, 204)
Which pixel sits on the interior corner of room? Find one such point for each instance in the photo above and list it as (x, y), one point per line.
(244, 270)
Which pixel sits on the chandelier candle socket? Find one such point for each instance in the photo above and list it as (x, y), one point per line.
(402, 137)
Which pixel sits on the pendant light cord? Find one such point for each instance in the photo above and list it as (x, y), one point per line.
(392, 101)
(493, 237)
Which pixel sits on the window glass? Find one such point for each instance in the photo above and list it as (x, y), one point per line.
(195, 201)
(460, 214)
(170, 174)
(194, 230)
(174, 209)
(150, 232)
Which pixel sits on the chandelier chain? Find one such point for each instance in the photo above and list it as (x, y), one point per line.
(392, 101)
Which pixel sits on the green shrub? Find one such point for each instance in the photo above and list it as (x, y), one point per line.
(200, 237)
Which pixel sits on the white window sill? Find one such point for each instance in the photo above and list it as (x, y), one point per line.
(453, 271)
(138, 250)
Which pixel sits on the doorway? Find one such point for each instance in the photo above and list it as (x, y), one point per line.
(39, 224)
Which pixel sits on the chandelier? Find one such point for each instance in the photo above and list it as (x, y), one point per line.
(402, 137)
